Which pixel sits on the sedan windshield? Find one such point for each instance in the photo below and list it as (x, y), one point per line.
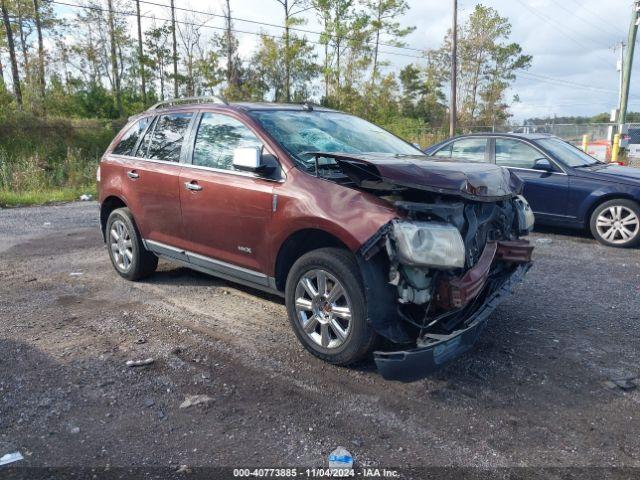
(301, 132)
(567, 153)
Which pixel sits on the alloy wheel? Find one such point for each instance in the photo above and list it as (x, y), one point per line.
(323, 308)
(121, 245)
(618, 224)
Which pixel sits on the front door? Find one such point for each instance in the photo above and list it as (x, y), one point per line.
(225, 212)
(546, 192)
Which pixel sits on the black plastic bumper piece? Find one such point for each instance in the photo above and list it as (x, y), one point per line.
(412, 365)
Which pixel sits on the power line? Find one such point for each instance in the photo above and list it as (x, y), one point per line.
(584, 20)
(256, 22)
(566, 83)
(561, 28)
(538, 77)
(131, 14)
(587, 9)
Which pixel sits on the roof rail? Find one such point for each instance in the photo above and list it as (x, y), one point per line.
(177, 101)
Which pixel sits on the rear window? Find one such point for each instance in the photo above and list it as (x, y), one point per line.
(168, 134)
(130, 138)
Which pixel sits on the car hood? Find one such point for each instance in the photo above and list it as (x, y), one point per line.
(475, 181)
(613, 173)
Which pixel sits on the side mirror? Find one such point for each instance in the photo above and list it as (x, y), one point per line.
(248, 159)
(543, 165)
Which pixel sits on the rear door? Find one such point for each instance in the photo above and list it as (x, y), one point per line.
(546, 192)
(151, 183)
(225, 212)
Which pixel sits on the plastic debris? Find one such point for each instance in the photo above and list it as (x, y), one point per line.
(140, 363)
(10, 458)
(85, 197)
(75, 274)
(340, 459)
(544, 241)
(193, 400)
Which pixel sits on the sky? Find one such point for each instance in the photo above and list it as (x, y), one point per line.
(572, 42)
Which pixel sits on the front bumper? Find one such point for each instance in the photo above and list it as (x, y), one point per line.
(411, 365)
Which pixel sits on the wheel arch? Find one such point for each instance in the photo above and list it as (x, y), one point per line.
(107, 206)
(605, 197)
(297, 244)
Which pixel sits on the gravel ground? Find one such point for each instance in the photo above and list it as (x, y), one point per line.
(535, 391)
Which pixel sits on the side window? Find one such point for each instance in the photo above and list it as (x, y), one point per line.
(143, 148)
(130, 138)
(444, 152)
(471, 149)
(514, 153)
(168, 134)
(218, 135)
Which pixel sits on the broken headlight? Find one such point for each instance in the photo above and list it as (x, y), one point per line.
(429, 244)
(526, 218)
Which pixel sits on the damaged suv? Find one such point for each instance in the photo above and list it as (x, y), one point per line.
(370, 244)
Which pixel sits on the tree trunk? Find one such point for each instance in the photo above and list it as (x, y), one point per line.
(229, 49)
(36, 9)
(175, 50)
(326, 71)
(12, 54)
(140, 55)
(23, 47)
(114, 59)
(1, 75)
(375, 48)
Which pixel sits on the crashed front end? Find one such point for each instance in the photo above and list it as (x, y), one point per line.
(448, 259)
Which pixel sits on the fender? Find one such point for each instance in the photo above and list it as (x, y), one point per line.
(338, 210)
(614, 190)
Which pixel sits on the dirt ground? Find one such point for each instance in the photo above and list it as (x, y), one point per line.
(534, 392)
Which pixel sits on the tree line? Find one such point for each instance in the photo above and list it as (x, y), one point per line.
(112, 58)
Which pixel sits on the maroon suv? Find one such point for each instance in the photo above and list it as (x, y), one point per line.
(369, 241)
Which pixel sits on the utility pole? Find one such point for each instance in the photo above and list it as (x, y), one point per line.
(175, 51)
(620, 46)
(454, 70)
(141, 55)
(628, 63)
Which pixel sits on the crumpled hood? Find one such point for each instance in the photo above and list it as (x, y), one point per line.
(613, 173)
(475, 181)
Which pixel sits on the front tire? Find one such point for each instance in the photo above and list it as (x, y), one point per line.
(327, 308)
(126, 250)
(616, 223)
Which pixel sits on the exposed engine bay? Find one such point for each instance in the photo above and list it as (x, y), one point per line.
(454, 243)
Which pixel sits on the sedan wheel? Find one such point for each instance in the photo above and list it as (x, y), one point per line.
(617, 223)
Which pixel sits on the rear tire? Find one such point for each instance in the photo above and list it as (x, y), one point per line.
(616, 223)
(327, 308)
(126, 250)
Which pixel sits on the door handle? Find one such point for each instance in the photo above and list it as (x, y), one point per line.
(133, 174)
(192, 186)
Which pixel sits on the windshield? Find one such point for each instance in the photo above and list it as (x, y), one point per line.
(567, 153)
(300, 132)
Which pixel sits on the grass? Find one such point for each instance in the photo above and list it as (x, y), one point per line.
(10, 198)
(44, 160)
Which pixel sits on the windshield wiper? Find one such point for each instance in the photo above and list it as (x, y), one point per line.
(589, 165)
